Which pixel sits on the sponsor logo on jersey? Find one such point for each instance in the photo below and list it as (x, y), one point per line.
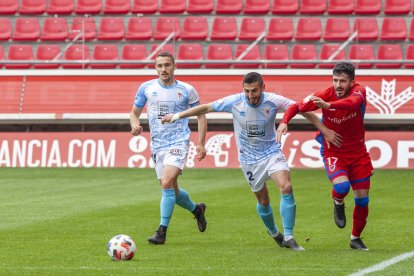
(176, 152)
(343, 119)
(255, 128)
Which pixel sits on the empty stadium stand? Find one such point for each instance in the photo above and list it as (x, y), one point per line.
(262, 24)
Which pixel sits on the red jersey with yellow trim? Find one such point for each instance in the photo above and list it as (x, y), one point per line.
(345, 116)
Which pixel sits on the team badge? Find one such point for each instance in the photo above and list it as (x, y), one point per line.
(267, 110)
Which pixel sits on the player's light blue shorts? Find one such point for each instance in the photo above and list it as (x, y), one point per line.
(257, 174)
(176, 156)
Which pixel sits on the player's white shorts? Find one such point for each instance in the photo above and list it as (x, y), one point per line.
(257, 174)
(175, 156)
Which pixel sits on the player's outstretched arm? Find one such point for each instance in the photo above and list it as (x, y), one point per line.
(194, 111)
(331, 137)
(202, 131)
(136, 127)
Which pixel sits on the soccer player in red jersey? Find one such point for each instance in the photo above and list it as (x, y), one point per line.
(349, 165)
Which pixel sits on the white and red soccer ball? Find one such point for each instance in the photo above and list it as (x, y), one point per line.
(121, 248)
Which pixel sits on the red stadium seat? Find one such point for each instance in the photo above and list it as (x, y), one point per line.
(309, 28)
(133, 52)
(32, 6)
(280, 28)
(77, 53)
(20, 53)
(251, 28)
(312, 7)
(367, 28)
(285, 6)
(276, 52)
(85, 26)
(327, 50)
(256, 6)
(139, 28)
(172, 6)
(105, 52)
(397, 7)
(367, 6)
(409, 55)
(111, 28)
(228, 6)
(144, 6)
(1, 55)
(195, 28)
(26, 29)
(165, 26)
(393, 28)
(389, 52)
(224, 28)
(5, 28)
(302, 52)
(411, 35)
(362, 52)
(9, 6)
(88, 7)
(117, 6)
(47, 52)
(191, 51)
(252, 55)
(222, 52)
(60, 7)
(337, 29)
(340, 7)
(55, 28)
(200, 6)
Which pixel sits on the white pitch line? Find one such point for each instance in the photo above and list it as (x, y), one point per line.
(384, 264)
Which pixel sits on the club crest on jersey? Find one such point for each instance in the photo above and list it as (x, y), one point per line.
(267, 110)
(242, 114)
(179, 94)
(154, 94)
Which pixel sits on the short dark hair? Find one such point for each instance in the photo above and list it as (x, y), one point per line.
(253, 77)
(166, 54)
(346, 68)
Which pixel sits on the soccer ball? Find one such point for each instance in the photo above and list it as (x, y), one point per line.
(121, 248)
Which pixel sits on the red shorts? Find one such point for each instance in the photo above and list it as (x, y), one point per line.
(355, 168)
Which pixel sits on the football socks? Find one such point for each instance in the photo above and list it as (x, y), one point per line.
(184, 200)
(288, 213)
(340, 190)
(167, 205)
(266, 214)
(360, 215)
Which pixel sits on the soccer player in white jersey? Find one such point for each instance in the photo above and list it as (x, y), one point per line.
(254, 112)
(169, 143)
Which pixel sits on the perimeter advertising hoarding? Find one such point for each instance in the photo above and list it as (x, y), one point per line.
(115, 94)
(114, 149)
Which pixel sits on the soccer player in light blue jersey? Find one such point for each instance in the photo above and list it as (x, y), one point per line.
(169, 143)
(254, 113)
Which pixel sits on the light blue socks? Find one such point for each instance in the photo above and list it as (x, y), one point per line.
(184, 201)
(266, 213)
(288, 213)
(167, 206)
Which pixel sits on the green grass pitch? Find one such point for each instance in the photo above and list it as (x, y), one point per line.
(58, 222)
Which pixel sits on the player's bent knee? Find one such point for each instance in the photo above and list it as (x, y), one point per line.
(363, 201)
(342, 188)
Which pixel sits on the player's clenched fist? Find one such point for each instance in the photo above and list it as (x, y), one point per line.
(136, 130)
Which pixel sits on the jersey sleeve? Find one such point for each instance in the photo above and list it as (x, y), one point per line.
(306, 105)
(225, 104)
(282, 103)
(193, 98)
(140, 98)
